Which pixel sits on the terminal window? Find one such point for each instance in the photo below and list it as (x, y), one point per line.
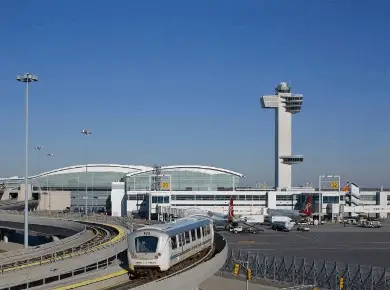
(283, 197)
(331, 199)
(160, 199)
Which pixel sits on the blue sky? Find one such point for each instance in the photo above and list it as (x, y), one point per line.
(178, 82)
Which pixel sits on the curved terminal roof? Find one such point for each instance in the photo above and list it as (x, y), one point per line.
(94, 168)
(192, 168)
(117, 168)
(127, 170)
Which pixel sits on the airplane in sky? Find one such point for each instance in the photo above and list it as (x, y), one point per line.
(294, 214)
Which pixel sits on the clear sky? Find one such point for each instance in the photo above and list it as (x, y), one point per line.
(178, 82)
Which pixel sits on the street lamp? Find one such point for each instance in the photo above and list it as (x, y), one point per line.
(26, 78)
(86, 132)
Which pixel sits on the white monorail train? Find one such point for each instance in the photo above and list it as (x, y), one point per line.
(164, 245)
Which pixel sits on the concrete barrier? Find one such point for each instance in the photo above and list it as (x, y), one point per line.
(191, 279)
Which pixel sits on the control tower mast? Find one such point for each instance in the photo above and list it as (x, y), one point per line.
(285, 104)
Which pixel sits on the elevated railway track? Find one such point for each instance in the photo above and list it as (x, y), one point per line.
(177, 269)
(105, 237)
(48, 248)
(98, 252)
(102, 234)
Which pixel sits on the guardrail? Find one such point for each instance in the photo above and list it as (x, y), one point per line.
(101, 263)
(294, 271)
(61, 275)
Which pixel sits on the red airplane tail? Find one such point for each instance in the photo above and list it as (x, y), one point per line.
(307, 210)
(231, 210)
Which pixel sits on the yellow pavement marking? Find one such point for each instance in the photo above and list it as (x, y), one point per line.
(92, 281)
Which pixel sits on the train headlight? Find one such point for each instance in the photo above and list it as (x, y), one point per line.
(158, 255)
(133, 256)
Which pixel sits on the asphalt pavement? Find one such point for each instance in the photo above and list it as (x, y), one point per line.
(334, 243)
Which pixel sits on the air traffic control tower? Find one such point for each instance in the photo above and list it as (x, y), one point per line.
(285, 104)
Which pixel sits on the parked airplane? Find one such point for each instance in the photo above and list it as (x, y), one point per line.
(294, 214)
(225, 220)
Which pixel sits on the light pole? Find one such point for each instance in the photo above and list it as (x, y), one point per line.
(39, 148)
(86, 132)
(331, 182)
(47, 182)
(26, 78)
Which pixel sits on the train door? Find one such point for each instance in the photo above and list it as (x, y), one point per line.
(181, 241)
(199, 235)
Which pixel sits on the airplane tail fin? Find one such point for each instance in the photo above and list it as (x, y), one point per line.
(307, 209)
(346, 187)
(231, 210)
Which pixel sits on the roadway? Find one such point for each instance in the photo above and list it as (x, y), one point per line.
(333, 243)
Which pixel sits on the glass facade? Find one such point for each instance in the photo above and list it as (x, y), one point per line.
(98, 187)
(331, 199)
(217, 197)
(183, 180)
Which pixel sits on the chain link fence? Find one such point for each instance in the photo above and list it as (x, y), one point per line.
(289, 272)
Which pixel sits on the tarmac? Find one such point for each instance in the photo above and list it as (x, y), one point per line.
(333, 243)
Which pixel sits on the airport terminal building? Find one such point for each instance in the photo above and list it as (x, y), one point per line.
(138, 189)
(68, 187)
(143, 189)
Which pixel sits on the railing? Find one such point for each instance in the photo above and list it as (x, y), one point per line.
(62, 274)
(72, 252)
(294, 271)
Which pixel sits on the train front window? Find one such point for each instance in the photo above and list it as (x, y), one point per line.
(146, 244)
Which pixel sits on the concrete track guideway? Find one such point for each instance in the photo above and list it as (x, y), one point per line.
(186, 275)
(101, 234)
(100, 251)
